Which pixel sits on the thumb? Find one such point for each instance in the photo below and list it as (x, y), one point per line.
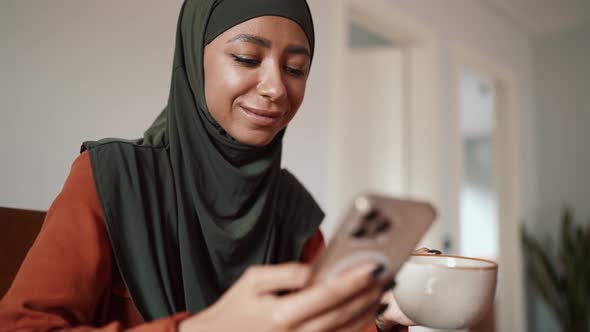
(275, 278)
(422, 250)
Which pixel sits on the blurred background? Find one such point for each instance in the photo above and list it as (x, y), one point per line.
(480, 106)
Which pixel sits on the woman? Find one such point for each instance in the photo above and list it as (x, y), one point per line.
(157, 233)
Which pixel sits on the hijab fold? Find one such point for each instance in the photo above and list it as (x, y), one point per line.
(187, 207)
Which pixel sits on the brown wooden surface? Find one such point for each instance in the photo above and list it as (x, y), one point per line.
(18, 230)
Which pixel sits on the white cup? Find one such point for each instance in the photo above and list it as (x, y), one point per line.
(446, 292)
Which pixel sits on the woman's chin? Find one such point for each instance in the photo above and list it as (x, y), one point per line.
(254, 137)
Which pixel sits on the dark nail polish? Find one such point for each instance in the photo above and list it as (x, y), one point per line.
(378, 271)
(381, 309)
(434, 251)
(389, 286)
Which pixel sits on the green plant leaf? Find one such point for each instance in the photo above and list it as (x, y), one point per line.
(544, 276)
(564, 284)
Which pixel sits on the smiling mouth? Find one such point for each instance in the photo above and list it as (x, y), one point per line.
(262, 118)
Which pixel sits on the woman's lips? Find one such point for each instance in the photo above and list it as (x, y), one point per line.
(260, 117)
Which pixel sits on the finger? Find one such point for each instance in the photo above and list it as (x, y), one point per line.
(387, 297)
(274, 278)
(323, 296)
(422, 250)
(362, 322)
(389, 286)
(382, 324)
(393, 314)
(340, 318)
(344, 313)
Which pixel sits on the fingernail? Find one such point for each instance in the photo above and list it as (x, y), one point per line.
(434, 251)
(388, 286)
(377, 271)
(381, 309)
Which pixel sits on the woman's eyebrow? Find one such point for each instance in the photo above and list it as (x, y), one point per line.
(252, 39)
(296, 49)
(260, 41)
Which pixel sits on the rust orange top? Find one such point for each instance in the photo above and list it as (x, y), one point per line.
(68, 281)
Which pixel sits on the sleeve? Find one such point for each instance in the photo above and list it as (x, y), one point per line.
(312, 248)
(64, 281)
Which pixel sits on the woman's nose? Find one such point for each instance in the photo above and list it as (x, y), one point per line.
(271, 84)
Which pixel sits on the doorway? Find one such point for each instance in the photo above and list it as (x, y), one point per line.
(370, 122)
(368, 129)
(383, 100)
(487, 195)
(478, 203)
(478, 220)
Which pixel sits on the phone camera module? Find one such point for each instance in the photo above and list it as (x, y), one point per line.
(359, 233)
(383, 226)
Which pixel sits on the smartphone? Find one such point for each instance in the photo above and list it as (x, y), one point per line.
(377, 228)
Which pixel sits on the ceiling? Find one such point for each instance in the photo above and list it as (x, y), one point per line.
(538, 17)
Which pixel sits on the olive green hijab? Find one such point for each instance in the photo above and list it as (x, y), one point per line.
(187, 207)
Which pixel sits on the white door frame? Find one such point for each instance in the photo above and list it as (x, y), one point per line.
(422, 126)
(510, 314)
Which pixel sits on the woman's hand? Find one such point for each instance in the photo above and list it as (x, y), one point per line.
(347, 303)
(390, 314)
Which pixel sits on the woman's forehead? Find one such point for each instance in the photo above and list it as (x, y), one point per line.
(266, 30)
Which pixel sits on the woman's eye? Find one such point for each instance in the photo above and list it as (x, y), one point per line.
(245, 61)
(250, 62)
(294, 71)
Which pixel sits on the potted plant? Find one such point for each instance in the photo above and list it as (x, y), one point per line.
(563, 280)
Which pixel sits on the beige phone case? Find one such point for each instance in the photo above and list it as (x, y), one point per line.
(377, 229)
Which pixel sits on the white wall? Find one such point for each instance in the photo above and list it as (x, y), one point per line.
(72, 71)
(562, 81)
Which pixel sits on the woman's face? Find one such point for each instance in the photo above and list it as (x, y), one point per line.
(255, 76)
